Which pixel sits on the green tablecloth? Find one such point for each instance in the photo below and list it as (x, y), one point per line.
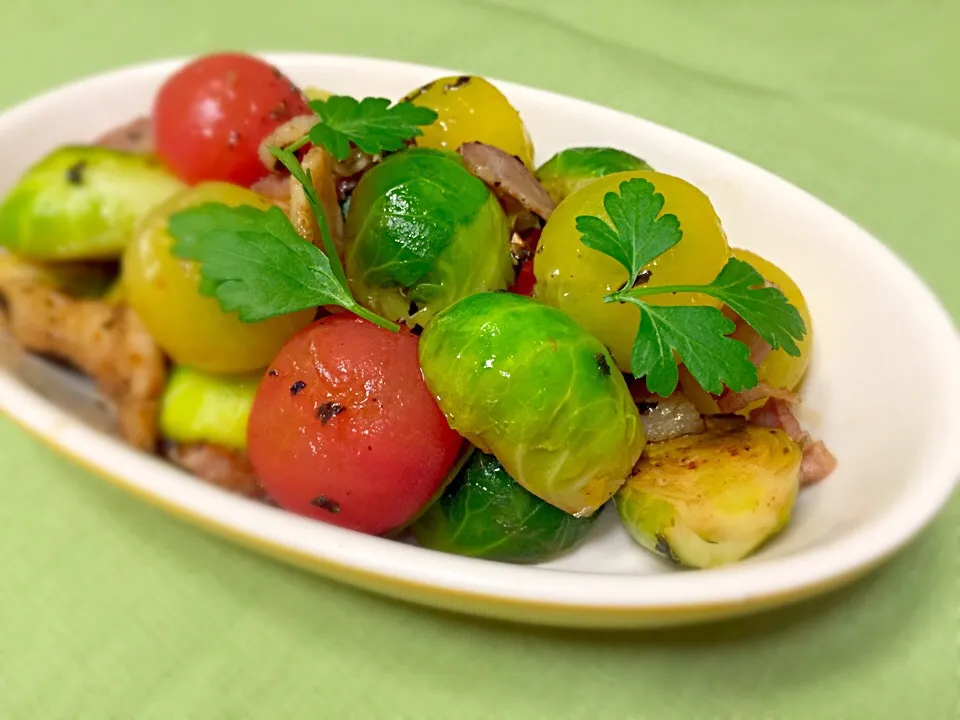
(111, 609)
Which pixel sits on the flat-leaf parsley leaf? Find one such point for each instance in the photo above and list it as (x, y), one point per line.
(637, 235)
(372, 124)
(254, 262)
(697, 334)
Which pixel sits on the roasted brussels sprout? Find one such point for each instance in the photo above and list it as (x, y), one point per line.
(164, 291)
(484, 513)
(471, 109)
(575, 278)
(713, 498)
(573, 168)
(82, 203)
(524, 382)
(421, 233)
(197, 407)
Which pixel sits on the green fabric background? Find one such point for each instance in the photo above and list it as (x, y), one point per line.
(110, 609)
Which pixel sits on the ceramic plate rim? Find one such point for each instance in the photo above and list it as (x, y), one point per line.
(771, 581)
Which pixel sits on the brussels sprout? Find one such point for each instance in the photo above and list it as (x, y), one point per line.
(197, 407)
(82, 203)
(421, 233)
(573, 168)
(712, 499)
(523, 381)
(485, 513)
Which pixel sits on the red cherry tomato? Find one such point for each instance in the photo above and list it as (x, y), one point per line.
(211, 115)
(344, 430)
(525, 281)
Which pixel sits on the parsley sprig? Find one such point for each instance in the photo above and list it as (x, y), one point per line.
(696, 333)
(253, 261)
(371, 124)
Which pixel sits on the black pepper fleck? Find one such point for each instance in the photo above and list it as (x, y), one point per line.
(328, 411)
(297, 387)
(273, 373)
(458, 83)
(325, 503)
(75, 172)
(602, 364)
(422, 89)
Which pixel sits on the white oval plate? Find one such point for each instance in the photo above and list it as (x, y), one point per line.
(882, 392)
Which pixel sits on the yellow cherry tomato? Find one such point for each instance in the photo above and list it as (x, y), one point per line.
(191, 328)
(780, 369)
(471, 109)
(574, 278)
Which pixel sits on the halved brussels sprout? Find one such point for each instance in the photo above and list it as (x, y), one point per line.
(712, 499)
(421, 233)
(197, 407)
(575, 278)
(82, 203)
(485, 513)
(573, 168)
(523, 381)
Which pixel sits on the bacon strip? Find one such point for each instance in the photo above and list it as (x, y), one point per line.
(218, 465)
(818, 462)
(106, 341)
(731, 402)
(135, 136)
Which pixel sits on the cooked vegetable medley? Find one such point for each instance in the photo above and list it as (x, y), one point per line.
(386, 316)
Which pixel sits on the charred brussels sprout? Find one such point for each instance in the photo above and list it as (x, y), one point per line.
(571, 169)
(421, 233)
(82, 203)
(484, 513)
(523, 381)
(197, 407)
(713, 498)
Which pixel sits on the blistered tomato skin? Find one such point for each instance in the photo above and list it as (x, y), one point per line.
(344, 430)
(575, 278)
(211, 115)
